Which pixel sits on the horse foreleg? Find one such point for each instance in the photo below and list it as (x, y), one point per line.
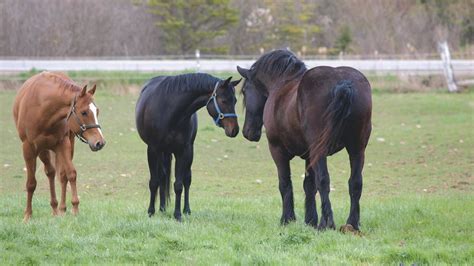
(323, 181)
(282, 161)
(29, 155)
(187, 185)
(63, 180)
(182, 171)
(50, 172)
(67, 168)
(309, 186)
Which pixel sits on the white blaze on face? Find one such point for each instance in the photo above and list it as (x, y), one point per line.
(94, 111)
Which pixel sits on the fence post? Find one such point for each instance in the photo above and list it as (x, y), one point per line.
(448, 68)
(198, 56)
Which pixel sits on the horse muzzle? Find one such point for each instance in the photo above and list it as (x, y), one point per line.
(96, 146)
(252, 135)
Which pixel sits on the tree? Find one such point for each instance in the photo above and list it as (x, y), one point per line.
(191, 24)
(344, 40)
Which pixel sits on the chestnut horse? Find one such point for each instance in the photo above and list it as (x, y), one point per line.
(311, 114)
(49, 110)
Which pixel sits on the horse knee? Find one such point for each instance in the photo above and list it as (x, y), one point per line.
(50, 172)
(75, 202)
(31, 185)
(284, 184)
(71, 176)
(355, 183)
(178, 187)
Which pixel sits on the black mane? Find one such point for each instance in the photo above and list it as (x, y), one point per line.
(192, 82)
(278, 63)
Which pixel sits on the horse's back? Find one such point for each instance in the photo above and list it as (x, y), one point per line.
(317, 83)
(31, 95)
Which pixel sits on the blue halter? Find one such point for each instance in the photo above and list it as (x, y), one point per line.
(220, 114)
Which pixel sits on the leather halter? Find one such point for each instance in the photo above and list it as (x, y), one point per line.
(220, 114)
(83, 127)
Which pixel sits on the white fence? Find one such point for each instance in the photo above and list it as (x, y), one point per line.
(382, 66)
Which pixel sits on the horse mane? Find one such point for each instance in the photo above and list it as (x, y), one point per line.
(62, 80)
(278, 63)
(192, 82)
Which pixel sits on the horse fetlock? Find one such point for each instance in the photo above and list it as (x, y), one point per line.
(54, 204)
(287, 218)
(326, 222)
(26, 217)
(177, 216)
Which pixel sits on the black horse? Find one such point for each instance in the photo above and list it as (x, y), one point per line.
(167, 122)
(311, 114)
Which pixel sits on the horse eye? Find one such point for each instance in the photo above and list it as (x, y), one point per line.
(84, 113)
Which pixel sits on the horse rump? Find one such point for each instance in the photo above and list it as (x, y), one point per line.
(334, 120)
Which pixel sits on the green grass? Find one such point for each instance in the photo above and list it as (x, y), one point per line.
(417, 205)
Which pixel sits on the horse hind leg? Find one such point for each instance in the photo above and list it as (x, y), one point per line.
(182, 171)
(322, 177)
(29, 155)
(164, 182)
(187, 185)
(309, 186)
(154, 178)
(50, 171)
(355, 191)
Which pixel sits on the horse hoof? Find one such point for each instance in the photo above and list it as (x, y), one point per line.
(348, 228)
(285, 221)
(177, 217)
(26, 218)
(187, 212)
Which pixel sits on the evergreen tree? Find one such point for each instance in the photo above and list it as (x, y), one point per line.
(193, 24)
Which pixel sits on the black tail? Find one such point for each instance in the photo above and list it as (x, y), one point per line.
(335, 116)
(167, 158)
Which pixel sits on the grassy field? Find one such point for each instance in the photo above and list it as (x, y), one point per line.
(417, 205)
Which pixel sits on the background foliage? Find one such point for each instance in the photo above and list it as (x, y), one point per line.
(237, 27)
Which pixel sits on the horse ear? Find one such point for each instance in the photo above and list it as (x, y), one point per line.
(226, 82)
(235, 82)
(92, 91)
(83, 92)
(243, 72)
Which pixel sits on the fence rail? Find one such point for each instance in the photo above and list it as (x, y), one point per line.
(382, 66)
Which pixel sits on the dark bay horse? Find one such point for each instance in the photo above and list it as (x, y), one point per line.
(49, 110)
(311, 114)
(166, 120)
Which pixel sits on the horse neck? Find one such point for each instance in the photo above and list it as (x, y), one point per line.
(193, 100)
(60, 106)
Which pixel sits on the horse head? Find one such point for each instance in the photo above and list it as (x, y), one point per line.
(82, 119)
(221, 106)
(254, 102)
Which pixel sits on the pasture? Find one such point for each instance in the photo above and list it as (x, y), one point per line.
(417, 204)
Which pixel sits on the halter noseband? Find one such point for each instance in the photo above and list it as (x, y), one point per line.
(220, 115)
(83, 127)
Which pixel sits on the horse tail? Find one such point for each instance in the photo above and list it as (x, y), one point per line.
(167, 158)
(334, 120)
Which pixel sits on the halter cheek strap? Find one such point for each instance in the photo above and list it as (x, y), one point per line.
(83, 127)
(220, 114)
